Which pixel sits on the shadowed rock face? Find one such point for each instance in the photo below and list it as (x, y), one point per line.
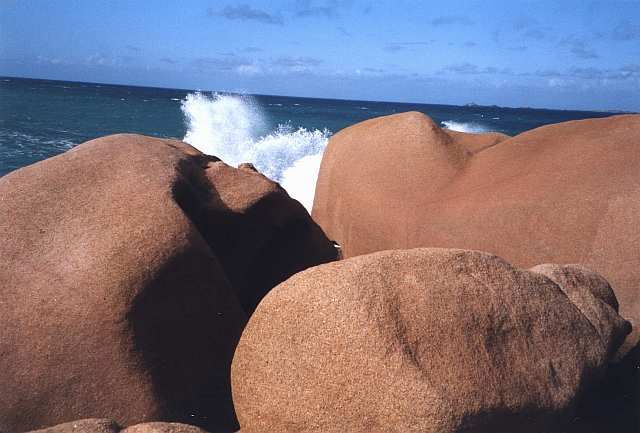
(129, 266)
(589, 291)
(425, 340)
(612, 406)
(563, 193)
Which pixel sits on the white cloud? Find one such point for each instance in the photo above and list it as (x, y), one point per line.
(249, 69)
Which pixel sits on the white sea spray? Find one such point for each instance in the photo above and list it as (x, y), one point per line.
(228, 126)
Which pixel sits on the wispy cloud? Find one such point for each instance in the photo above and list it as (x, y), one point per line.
(15, 60)
(229, 64)
(244, 12)
(524, 22)
(538, 33)
(522, 28)
(249, 69)
(584, 53)
(626, 31)
(133, 48)
(246, 66)
(295, 64)
(467, 68)
(219, 64)
(344, 32)
(168, 60)
(100, 59)
(394, 47)
(571, 76)
(579, 47)
(447, 20)
(544, 73)
(51, 60)
(322, 8)
(377, 71)
(626, 72)
(630, 71)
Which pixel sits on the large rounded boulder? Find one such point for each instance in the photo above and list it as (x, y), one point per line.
(425, 340)
(563, 193)
(128, 268)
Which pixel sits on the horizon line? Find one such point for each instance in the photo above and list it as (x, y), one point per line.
(231, 92)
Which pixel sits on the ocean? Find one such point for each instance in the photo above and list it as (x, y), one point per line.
(283, 136)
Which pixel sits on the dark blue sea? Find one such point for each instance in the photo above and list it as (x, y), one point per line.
(282, 136)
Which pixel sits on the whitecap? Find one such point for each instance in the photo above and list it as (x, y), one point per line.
(228, 126)
(471, 127)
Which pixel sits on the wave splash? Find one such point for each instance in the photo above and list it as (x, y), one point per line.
(231, 128)
(471, 127)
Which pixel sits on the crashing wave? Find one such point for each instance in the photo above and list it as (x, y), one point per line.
(471, 127)
(233, 128)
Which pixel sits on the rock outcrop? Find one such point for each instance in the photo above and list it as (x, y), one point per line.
(563, 193)
(163, 427)
(129, 267)
(89, 425)
(425, 340)
(94, 425)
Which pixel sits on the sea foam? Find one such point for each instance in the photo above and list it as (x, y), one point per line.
(471, 127)
(232, 127)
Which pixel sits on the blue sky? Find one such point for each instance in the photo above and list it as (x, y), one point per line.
(555, 54)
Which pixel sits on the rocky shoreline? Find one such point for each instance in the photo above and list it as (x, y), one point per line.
(147, 287)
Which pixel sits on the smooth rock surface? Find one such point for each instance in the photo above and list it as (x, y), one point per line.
(129, 266)
(424, 340)
(563, 193)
